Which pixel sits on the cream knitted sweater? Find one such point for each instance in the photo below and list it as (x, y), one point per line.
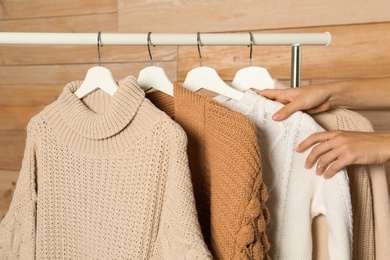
(296, 194)
(103, 178)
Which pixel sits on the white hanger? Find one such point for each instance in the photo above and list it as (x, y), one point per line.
(154, 77)
(208, 78)
(252, 76)
(97, 77)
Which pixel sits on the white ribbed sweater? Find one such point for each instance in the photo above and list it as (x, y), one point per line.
(103, 178)
(296, 194)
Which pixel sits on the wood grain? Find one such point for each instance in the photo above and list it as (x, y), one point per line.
(8, 181)
(11, 9)
(12, 143)
(356, 51)
(18, 103)
(57, 74)
(380, 119)
(181, 16)
(68, 54)
(79, 23)
(31, 77)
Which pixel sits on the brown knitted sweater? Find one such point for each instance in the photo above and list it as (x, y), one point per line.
(226, 173)
(103, 178)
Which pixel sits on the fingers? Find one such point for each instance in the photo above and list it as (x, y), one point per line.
(325, 154)
(334, 168)
(285, 111)
(318, 109)
(326, 163)
(313, 139)
(285, 97)
(322, 150)
(270, 93)
(328, 155)
(274, 94)
(330, 163)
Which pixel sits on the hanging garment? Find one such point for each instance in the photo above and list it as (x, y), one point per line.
(103, 178)
(371, 208)
(366, 240)
(226, 173)
(296, 194)
(381, 203)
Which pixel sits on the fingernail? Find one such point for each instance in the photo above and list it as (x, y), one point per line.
(326, 176)
(276, 116)
(298, 149)
(306, 165)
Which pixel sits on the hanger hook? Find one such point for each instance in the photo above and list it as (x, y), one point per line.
(99, 44)
(199, 43)
(250, 45)
(150, 53)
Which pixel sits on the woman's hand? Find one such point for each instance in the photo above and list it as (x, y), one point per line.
(334, 150)
(310, 99)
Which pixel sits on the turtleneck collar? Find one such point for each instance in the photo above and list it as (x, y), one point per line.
(100, 123)
(100, 116)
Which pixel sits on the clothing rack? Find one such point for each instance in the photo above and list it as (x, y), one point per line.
(296, 40)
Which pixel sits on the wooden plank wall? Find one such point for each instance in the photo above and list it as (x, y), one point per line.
(31, 77)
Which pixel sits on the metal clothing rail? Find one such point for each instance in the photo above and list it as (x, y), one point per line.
(296, 40)
(166, 39)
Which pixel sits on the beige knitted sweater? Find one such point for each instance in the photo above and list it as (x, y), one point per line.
(103, 178)
(363, 220)
(226, 172)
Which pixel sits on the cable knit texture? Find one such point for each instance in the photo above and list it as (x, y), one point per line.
(296, 194)
(226, 174)
(103, 178)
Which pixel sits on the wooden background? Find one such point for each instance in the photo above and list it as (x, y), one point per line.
(31, 77)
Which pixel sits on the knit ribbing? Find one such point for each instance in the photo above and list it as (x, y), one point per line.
(226, 174)
(117, 115)
(296, 194)
(123, 192)
(75, 124)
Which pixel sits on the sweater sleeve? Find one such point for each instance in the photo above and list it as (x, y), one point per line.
(333, 200)
(179, 235)
(17, 229)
